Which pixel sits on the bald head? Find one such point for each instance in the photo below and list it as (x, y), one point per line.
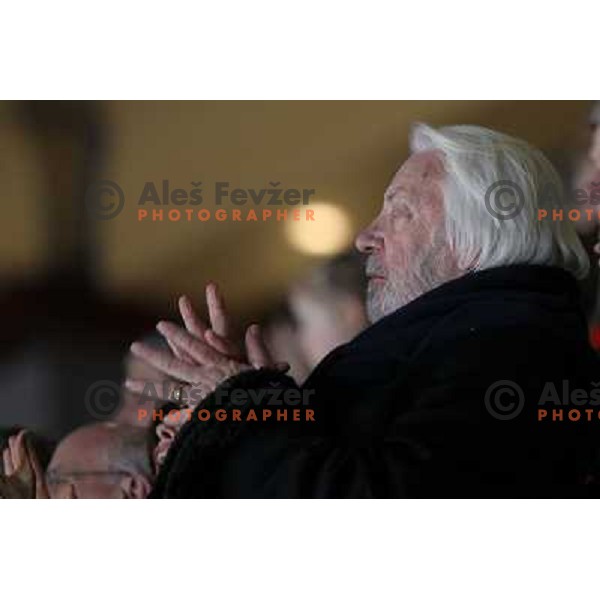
(103, 460)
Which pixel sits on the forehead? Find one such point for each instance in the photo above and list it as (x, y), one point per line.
(420, 170)
(80, 451)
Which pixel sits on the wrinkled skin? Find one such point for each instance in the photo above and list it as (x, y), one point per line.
(408, 253)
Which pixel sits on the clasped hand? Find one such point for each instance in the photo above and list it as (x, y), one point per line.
(201, 357)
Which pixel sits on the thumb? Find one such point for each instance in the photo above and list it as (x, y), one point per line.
(16, 444)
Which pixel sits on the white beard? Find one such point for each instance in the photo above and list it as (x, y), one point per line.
(431, 269)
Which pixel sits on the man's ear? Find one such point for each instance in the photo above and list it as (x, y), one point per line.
(135, 486)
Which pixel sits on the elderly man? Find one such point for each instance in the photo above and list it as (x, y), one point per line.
(102, 460)
(476, 331)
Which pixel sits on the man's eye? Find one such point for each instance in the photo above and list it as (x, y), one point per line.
(405, 213)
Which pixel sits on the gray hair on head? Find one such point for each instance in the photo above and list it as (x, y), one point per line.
(477, 159)
(131, 449)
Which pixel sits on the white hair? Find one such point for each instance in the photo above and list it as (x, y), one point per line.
(481, 167)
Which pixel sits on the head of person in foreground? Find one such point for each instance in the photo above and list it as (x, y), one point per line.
(103, 460)
(467, 199)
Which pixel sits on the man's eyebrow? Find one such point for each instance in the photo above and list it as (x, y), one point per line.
(393, 191)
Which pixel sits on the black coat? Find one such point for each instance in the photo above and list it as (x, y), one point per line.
(407, 408)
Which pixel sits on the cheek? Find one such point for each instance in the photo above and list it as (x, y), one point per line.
(404, 241)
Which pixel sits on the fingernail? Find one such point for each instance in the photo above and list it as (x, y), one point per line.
(135, 347)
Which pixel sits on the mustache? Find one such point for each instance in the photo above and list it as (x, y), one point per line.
(373, 267)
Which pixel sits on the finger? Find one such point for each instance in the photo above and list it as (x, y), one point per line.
(223, 345)
(17, 450)
(198, 349)
(217, 311)
(7, 462)
(258, 355)
(192, 321)
(180, 353)
(41, 489)
(12, 450)
(23, 470)
(165, 362)
(188, 311)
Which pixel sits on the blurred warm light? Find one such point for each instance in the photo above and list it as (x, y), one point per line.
(330, 231)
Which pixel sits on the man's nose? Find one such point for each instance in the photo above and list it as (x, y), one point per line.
(63, 491)
(368, 240)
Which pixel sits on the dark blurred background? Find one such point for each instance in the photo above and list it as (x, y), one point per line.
(75, 291)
